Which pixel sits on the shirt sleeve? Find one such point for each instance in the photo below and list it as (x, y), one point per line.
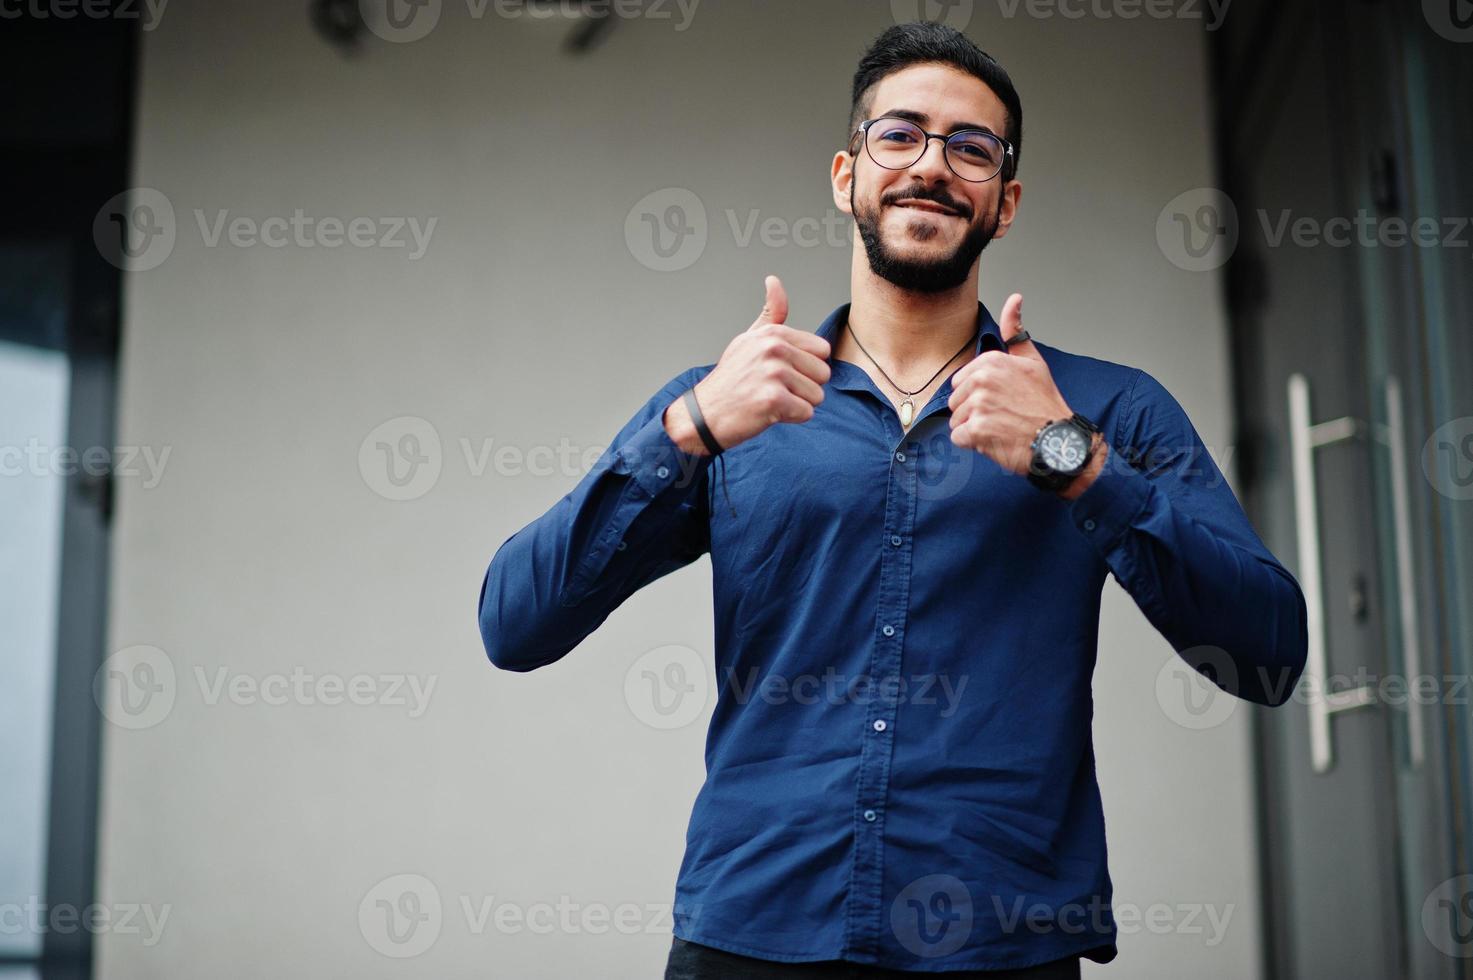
(1164, 519)
(640, 513)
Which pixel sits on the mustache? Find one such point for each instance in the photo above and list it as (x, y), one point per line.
(933, 196)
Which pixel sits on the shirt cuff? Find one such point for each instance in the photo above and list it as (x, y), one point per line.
(1108, 506)
(656, 463)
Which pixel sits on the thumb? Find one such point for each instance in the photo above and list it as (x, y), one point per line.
(775, 309)
(1012, 325)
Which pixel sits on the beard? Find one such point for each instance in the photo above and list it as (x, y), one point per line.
(922, 275)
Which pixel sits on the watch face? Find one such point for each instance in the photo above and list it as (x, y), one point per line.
(1063, 447)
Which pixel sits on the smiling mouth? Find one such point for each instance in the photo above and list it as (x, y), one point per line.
(929, 206)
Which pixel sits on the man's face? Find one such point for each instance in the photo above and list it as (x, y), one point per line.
(923, 227)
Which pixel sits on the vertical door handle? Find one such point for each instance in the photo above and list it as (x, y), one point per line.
(1304, 438)
(1401, 519)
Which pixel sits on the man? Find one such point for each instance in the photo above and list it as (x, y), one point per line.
(914, 560)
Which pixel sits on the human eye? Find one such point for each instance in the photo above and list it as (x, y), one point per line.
(975, 146)
(893, 132)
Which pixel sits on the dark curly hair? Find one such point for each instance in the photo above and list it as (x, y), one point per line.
(924, 42)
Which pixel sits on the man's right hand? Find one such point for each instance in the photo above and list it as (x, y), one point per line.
(768, 374)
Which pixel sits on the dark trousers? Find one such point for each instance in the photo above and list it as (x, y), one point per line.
(692, 961)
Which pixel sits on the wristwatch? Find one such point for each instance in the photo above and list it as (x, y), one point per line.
(1062, 449)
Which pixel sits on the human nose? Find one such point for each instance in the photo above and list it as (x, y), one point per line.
(930, 163)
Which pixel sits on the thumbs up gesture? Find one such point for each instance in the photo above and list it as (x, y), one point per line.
(1000, 398)
(769, 373)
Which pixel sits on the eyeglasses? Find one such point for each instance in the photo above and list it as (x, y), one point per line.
(895, 144)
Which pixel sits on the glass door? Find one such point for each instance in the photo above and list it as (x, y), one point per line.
(1421, 369)
(65, 144)
(34, 390)
(1345, 148)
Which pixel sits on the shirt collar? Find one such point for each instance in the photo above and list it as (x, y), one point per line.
(989, 338)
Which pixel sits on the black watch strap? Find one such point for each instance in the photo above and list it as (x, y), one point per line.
(1052, 482)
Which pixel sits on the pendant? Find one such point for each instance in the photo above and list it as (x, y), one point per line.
(907, 412)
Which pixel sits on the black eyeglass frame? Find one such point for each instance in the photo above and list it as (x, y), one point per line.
(861, 133)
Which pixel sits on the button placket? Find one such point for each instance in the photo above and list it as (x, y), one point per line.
(866, 912)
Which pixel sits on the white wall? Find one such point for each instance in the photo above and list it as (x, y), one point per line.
(265, 548)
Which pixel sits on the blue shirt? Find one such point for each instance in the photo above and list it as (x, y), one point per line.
(899, 768)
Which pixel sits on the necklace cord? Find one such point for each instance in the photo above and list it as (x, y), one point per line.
(972, 340)
(720, 459)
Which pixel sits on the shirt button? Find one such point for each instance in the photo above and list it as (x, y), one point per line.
(662, 472)
(895, 540)
(623, 545)
(879, 724)
(871, 815)
(888, 630)
(1089, 524)
(900, 457)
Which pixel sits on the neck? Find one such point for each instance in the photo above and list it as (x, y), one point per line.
(910, 334)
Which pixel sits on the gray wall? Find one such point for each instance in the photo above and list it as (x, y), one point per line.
(262, 825)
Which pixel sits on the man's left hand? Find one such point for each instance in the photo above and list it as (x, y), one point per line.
(1000, 398)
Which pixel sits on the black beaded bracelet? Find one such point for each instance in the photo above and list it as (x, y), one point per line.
(702, 429)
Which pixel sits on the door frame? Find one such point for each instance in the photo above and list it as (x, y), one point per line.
(62, 176)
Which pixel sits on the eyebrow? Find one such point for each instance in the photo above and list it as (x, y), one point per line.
(921, 119)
